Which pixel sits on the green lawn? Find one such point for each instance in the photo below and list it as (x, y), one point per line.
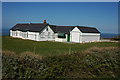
(46, 47)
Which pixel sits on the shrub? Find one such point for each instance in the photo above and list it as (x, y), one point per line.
(92, 63)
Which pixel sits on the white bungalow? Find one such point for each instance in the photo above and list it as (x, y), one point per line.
(46, 32)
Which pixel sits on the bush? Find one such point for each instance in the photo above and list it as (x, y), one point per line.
(92, 63)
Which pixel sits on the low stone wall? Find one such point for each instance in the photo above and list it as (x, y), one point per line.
(60, 40)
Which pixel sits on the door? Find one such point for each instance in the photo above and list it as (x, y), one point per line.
(75, 36)
(68, 38)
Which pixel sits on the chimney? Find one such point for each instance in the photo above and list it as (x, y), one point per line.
(44, 21)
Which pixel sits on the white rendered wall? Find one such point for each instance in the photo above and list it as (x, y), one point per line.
(32, 35)
(13, 33)
(18, 34)
(60, 39)
(90, 37)
(21, 34)
(10, 32)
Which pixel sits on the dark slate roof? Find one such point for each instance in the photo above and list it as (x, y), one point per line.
(61, 29)
(67, 29)
(34, 27)
(88, 29)
(21, 27)
(53, 27)
(38, 27)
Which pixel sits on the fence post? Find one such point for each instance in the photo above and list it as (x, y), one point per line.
(69, 50)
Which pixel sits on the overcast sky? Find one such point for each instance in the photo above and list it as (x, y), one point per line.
(102, 15)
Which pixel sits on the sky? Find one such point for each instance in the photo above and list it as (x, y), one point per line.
(101, 15)
(60, 0)
(0, 17)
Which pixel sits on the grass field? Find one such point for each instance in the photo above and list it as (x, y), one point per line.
(48, 48)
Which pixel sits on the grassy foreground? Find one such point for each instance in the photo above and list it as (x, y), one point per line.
(47, 48)
(90, 60)
(91, 63)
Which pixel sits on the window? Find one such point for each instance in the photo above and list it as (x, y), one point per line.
(61, 35)
(42, 35)
(12, 33)
(47, 29)
(48, 34)
(20, 33)
(53, 36)
(16, 33)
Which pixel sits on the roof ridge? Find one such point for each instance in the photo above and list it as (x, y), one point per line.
(38, 23)
(22, 23)
(86, 27)
(30, 23)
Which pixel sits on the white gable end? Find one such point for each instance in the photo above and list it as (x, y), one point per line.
(46, 34)
(75, 35)
(46, 30)
(76, 29)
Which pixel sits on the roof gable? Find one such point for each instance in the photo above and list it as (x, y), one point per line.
(76, 29)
